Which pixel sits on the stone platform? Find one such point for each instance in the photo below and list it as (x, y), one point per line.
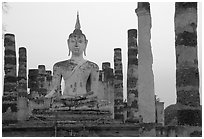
(69, 115)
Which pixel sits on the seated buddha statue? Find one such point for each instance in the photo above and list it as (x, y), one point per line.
(80, 75)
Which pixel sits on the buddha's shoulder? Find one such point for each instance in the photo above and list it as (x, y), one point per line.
(62, 63)
(92, 64)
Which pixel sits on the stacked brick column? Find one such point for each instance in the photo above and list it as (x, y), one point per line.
(40, 81)
(100, 75)
(105, 65)
(42, 90)
(22, 84)
(132, 74)
(33, 82)
(118, 85)
(108, 72)
(108, 80)
(187, 74)
(10, 84)
(48, 80)
(146, 98)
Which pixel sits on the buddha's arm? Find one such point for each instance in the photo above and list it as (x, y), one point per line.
(56, 82)
(94, 79)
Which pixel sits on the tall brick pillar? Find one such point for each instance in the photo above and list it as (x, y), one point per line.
(108, 72)
(33, 83)
(105, 65)
(146, 98)
(48, 80)
(22, 85)
(187, 74)
(118, 85)
(108, 80)
(132, 75)
(42, 90)
(10, 84)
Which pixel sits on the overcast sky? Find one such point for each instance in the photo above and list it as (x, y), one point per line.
(43, 29)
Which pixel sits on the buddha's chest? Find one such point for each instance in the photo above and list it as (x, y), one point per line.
(76, 73)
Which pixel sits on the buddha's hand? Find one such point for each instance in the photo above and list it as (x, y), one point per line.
(92, 96)
(89, 94)
(51, 94)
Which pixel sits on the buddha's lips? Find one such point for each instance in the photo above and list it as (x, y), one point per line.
(76, 49)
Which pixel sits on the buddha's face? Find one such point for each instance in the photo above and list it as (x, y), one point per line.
(77, 44)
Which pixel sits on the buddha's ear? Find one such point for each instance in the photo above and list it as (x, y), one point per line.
(86, 42)
(85, 47)
(68, 46)
(68, 42)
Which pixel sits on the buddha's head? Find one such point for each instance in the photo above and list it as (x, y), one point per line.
(77, 41)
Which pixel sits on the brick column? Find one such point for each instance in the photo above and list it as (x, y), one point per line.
(48, 80)
(42, 90)
(10, 84)
(33, 82)
(146, 98)
(22, 85)
(108, 80)
(187, 74)
(118, 85)
(132, 75)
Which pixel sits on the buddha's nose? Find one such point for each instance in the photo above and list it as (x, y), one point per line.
(76, 45)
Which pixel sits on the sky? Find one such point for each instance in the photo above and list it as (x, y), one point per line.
(43, 28)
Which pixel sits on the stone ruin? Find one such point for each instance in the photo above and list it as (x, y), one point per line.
(22, 105)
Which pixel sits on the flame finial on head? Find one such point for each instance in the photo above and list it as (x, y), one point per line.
(77, 30)
(77, 25)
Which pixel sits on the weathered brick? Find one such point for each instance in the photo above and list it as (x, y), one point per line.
(8, 87)
(131, 82)
(187, 77)
(187, 39)
(9, 40)
(5, 106)
(9, 52)
(190, 97)
(133, 92)
(144, 5)
(189, 117)
(185, 5)
(9, 98)
(10, 79)
(10, 60)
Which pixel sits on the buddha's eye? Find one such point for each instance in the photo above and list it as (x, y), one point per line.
(72, 41)
(80, 41)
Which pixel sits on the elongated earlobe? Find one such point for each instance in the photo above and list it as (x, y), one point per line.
(85, 48)
(69, 53)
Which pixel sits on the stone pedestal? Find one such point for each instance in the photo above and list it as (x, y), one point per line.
(132, 75)
(118, 85)
(146, 99)
(187, 74)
